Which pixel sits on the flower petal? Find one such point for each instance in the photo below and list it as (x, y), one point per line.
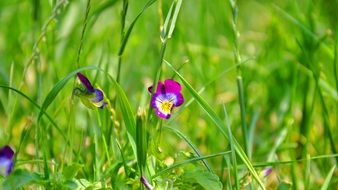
(172, 86)
(6, 152)
(163, 104)
(100, 104)
(98, 96)
(6, 160)
(167, 96)
(84, 80)
(160, 88)
(150, 89)
(153, 100)
(179, 100)
(162, 115)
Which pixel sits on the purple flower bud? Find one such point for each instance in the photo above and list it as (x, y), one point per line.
(90, 96)
(84, 80)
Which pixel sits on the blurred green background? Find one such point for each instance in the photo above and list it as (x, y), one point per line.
(289, 68)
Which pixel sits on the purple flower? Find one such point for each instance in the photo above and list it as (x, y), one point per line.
(167, 96)
(6, 160)
(90, 96)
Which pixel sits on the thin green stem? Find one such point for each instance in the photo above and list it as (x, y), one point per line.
(123, 36)
(287, 162)
(237, 57)
(158, 74)
(242, 110)
(178, 164)
(82, 34)
(233, 159)
(56, 10)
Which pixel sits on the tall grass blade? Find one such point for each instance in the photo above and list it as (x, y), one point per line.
(233, 159)
(174, 18)
(141, 140)
(58, 87)
(178, 164)
(288, 162)
(243, 114)
(219, 124)
(228, 181)
(166, 22)
(127, 114)
(188, 141)
(251, 134)
(328, 178)
(42, 112)
(101, 8)
(296, 22)
(131, 26)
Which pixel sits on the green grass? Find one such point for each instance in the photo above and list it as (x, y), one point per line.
(259, 80)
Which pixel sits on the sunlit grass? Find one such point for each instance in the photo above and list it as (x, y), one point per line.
(259, 80)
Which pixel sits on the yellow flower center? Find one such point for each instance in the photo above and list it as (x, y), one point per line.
(166, 106)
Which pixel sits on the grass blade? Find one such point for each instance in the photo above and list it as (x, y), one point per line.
(166, 22)
(233, 159)
(243, 113)
(188, 141)
(58, 87)
(178, 164)
(141, 140)
(219, 124)
(174, 18)
(328, 178)
(127, 114)
(131, 26)
(42, 112)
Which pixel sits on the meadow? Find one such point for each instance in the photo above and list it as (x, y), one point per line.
(168, 94)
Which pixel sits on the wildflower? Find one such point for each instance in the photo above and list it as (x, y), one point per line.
(167, 96)
(146, 183)
(6, 160)
(90, 96)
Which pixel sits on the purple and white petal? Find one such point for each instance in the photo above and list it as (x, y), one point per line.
(167, 96)
(163, 104)
(172, 86)
(101, 104)
(84, 80)
(176, 98)
(98, 96)
(163, 115)
(154, 97)
(6, 160)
